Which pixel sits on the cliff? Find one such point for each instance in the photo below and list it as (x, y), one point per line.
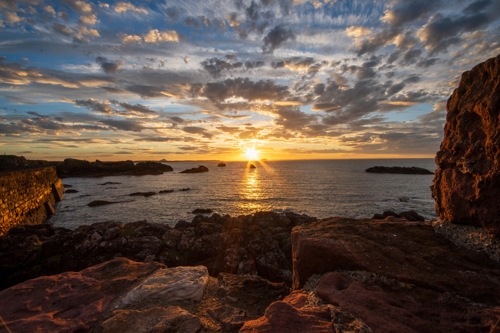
(27, 196)
(467, 181)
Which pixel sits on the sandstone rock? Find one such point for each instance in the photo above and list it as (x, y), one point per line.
(231, 318)
(178, 283)
(71, 301)
(467, 181)
(166, 320)
(398, 276)
(290, 316)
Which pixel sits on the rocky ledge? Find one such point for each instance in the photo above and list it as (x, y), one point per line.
(400, 170)
(348, 276)
(71, 167)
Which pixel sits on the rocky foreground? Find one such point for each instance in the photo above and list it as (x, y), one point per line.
(230, 274)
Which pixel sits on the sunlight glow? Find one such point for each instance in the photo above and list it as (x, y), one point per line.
(252, 154)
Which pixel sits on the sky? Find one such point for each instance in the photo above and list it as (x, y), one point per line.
(207, 80)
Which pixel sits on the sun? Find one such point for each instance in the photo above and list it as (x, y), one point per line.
(252, 154)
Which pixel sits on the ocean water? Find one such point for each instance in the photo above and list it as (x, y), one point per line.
(321, 188)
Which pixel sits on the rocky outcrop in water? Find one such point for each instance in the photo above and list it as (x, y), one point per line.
(467, 182)
(13, 162)
(199, 169)
(400, 170)
(71, 167)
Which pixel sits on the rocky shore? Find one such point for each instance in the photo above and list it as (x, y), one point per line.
(234, 274)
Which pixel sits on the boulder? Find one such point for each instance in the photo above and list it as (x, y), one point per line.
(172, 319)
(252, 166)
(398, 276)
(178, 283)
(291, 316)
(202, 211)
(221, 164)
(71, 301)
(199, 169)
(467, 182)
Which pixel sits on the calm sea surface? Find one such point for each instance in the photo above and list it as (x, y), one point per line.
(317, 188)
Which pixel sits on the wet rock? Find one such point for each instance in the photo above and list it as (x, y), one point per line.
(199, 169)
(411, 215)
(143, 194)
(178, 283)
(71, 191)
(97, 203)
(467, 181)
(184, 189)
(400, 170)
(202, 211)
(172, 319)
(221, 164)
(109, 183)
(252, 166)
(166, 191)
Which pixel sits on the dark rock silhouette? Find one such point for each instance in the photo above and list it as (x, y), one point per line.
(467, 182)
(71, 191)
(400, 170)
(97, 203)
(199, 169)
(143, 194)
(252, 166)
(202, 211)
(221, 164)
(71, 167)
(166, 191)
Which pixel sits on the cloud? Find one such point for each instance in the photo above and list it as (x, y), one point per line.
(49, 9)
(108, 67)
(62, 29)
(155, 36)
(124, 125)
(197, 130)
(78, 6)
(406, 11)
(354, 31)
(90, 19)
(88, 32)
(96, 106)
(123, 7)
(275, 38)
(130, 39)
(173, 14)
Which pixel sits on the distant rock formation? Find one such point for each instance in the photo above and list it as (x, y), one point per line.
(202, 211)
(467, 182)
(13, 162)
(221, 164)
(252, 166)
(142, 194)
(199, 169)
(401, 170)
(71, 167)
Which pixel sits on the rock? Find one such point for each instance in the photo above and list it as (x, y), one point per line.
(252, 166)
(172, 319)
(401, 170)
(96, 203)
(202, 211)
(398, 277)
(221, 164)
(143, 194)
(290, 316)
(184, 189)
(403, 199)
(109, 183)
(71, 167)
(199, 169)
(231, 318)
(71, 301)
(67, 186)
(467, 181)
(411, 215)
(178, 283)
(71, 191)
(166, 191)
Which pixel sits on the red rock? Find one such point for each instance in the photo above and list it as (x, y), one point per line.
(284, 317)
(467, 182)
(71, 301)
(408, 277)
(172, 319)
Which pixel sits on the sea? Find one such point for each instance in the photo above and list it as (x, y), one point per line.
(320, 188)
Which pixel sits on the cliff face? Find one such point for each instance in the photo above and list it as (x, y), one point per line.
(467, 182)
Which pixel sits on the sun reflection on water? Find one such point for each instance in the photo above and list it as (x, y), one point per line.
(252, 195)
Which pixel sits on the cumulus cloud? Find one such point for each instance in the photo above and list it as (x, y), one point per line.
(62, 29)
(276, 38)
(79, 6)
(130, 39)
(197, 130)
(355, 31)
(123, 7)
(88, 32)
(155, 36)
(107, 66)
